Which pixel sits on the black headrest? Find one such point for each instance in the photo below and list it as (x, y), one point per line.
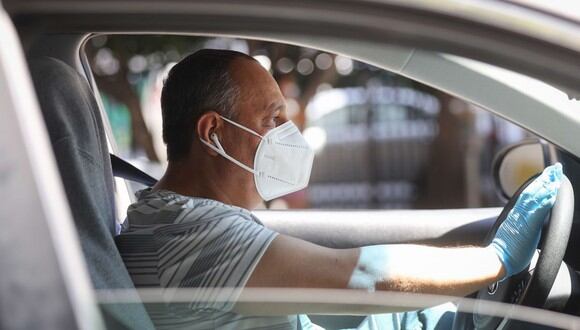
(78, 140)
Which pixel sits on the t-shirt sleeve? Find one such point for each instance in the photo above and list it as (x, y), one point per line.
(214, 258)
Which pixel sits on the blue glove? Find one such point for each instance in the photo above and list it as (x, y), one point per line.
(518, 236)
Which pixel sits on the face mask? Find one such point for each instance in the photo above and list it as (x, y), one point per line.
(282, 163)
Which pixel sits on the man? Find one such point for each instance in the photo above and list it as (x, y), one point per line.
(230, 145)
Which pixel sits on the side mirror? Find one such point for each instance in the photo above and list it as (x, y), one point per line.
(515, 164)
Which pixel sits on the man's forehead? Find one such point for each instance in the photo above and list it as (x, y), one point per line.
(243, 69)
(278, 104)
(257, 85)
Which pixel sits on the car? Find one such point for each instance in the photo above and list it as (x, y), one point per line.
(60, 267)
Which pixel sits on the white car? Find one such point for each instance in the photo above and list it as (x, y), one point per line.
(517, 61)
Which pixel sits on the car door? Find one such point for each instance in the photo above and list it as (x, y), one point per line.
(361, 30)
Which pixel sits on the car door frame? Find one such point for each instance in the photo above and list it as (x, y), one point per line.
(44, 282)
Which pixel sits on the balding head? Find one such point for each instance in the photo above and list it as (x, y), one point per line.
(199, 91)
(199, 83)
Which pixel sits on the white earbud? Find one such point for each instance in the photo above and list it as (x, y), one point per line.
(216, 141)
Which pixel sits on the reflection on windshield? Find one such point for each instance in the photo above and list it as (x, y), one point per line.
(562, 8)
(286, 301)
(555, 99)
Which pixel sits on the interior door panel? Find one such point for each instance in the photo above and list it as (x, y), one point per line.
(346, 229)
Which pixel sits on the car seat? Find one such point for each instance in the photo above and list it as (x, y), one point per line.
(78, 140)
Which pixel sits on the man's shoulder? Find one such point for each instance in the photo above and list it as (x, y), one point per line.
(167, 207)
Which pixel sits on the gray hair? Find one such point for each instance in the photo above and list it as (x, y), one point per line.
(223, 97)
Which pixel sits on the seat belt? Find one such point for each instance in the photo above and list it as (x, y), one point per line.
(123, 169)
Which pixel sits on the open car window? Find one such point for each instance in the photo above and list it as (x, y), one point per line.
(417, 154)
(382, 141)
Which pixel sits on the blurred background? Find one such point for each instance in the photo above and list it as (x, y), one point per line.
(382, 141)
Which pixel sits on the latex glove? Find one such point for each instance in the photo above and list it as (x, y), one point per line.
(518, 236)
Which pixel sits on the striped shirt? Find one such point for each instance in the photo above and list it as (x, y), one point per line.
(176, 241)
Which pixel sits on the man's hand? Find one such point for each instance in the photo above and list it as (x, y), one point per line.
(518, 236)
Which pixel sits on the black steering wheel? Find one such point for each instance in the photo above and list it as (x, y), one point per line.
(532, 286)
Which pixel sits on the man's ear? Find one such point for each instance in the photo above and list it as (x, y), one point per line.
(209, 123)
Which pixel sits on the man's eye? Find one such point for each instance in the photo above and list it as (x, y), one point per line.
(276, 116)
(272, 122)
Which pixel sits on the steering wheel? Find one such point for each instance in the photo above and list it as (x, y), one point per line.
(532, 286)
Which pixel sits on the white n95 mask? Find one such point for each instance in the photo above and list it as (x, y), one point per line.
(282, 163)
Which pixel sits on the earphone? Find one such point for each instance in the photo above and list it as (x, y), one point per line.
(216, 140)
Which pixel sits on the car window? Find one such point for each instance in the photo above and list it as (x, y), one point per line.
(382, 141)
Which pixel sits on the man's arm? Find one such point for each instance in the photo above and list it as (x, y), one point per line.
(291, 262)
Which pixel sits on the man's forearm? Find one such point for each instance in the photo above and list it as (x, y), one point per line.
(415, 268)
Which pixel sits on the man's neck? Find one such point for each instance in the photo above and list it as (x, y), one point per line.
(188, 180)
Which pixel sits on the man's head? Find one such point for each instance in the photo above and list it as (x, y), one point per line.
(199, 83)
(199, 89)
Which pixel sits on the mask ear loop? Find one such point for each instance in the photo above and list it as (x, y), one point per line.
(242, 127)
(220, 150)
